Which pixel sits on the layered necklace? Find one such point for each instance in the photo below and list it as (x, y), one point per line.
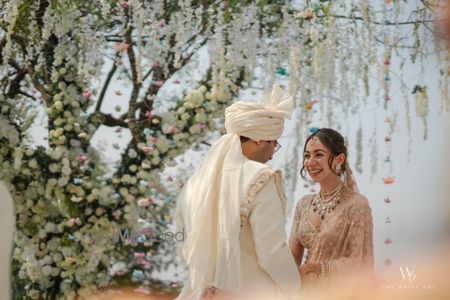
(326, 202)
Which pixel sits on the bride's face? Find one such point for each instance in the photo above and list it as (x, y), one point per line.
(316, 159)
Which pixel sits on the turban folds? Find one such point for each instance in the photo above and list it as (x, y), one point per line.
(260, 121)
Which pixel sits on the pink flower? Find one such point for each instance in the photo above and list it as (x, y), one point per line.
(87, 94)
(144, 202)
(81, 158)
(120, 273)
(154, 140)
(147, 231)
(147, 149)
(173, 129)
(162, 25)
(158, 83)
(387, 62)
(119, 63)
(387, 139)
(75, 221)
(154, 65)
(121, 47)
(388, 180)
(118, 129)
(149, 114)
(226, 3)
(201, 126)
(170, 178)
(116, 213)
(139, 254)
(124, 4)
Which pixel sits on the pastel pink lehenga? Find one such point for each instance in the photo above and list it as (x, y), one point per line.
(343, 241)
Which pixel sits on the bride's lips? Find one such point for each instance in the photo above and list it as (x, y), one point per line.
(314, 172)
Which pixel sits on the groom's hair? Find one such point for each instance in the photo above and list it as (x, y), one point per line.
(243, 139)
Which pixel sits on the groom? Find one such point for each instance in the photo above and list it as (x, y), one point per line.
(233, 210)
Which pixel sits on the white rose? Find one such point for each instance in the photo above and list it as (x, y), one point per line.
(200, 118)
(61, 140)
(123, 191)
(66, 170)
(68, 127)
(172, 153)
(52, 181)
(166, 128)
(58, 105)
(63, 181)
(155, 160)
(59, 132)
(50, 227)
(58, 122)
(194, 129)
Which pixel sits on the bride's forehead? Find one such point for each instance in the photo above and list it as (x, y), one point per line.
(315, 144)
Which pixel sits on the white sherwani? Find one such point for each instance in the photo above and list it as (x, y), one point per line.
(267, 267)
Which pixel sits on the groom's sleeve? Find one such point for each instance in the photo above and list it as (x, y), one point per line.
(268, 226)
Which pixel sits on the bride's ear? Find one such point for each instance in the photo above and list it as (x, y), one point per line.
(339, 159)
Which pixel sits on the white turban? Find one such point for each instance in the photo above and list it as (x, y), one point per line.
(208, 208)
(260, 121)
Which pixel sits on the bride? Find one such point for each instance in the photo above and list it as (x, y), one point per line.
(334, 226)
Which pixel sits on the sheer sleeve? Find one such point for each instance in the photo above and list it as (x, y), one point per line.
(294, 238)
(358, 254)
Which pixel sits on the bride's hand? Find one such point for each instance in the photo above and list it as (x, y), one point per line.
(309, 268)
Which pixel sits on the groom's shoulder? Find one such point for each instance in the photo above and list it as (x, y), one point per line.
(256, 166)
(254, 171)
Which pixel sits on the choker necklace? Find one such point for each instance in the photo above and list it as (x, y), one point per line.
(327, 202)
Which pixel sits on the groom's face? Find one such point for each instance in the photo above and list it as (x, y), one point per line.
(266, 149)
